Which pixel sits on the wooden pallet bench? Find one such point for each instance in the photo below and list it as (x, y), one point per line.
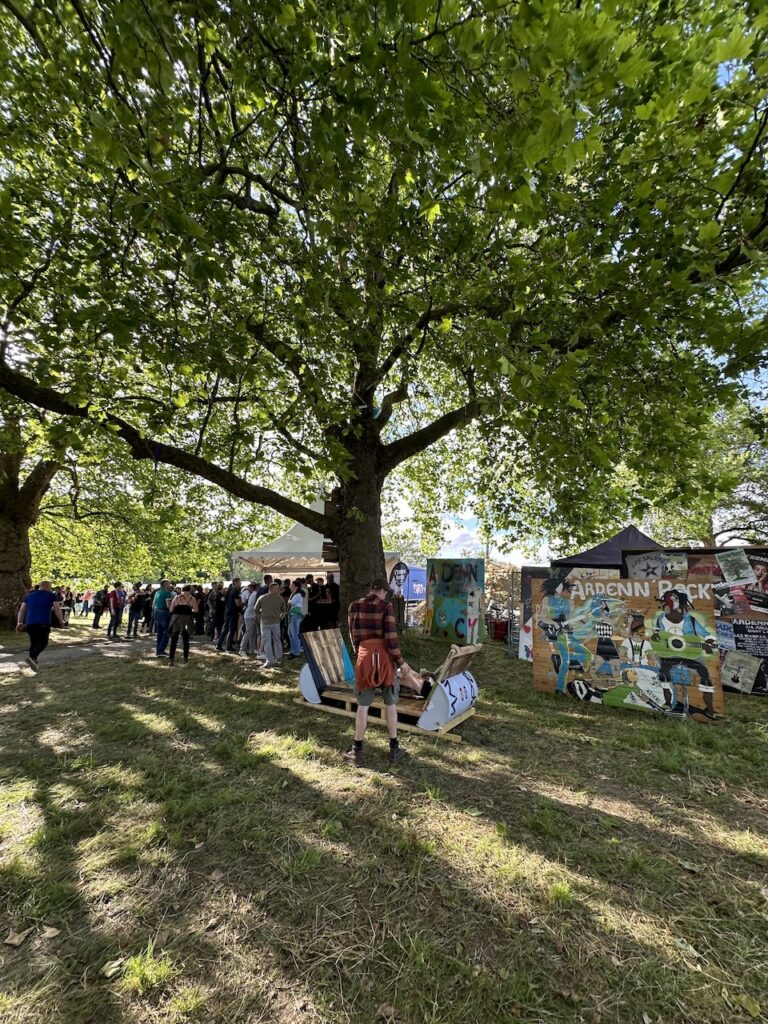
(338, 700)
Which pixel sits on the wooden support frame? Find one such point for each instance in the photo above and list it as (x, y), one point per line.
(336, 701)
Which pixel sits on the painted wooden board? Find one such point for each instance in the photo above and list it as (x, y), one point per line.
(640, 644)
(328, 658)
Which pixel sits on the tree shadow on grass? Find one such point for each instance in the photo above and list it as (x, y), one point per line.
(339, 889)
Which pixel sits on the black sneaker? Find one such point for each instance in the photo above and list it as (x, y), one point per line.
(353, 756)
(397, 754)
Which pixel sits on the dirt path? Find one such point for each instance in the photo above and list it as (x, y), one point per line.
(14, 662)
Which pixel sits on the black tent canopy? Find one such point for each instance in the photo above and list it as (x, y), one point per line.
(608, 555)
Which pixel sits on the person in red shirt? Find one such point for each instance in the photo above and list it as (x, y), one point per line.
(373, 632)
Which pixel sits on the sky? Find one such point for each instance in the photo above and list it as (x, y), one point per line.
(463, 533)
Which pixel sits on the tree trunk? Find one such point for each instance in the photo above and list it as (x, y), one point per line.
(15, 562)
(357, 532)
(19, 507)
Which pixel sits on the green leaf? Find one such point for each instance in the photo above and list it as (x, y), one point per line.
(736, 47)
(709, 232)
(748, 1003)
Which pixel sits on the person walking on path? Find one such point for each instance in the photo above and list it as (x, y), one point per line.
(183, 610)
(34, 616)
(135, 610)
(295, 615)
(160, 606)
(373, 633)
(270, 608)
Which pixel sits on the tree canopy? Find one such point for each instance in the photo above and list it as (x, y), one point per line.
(305, 242)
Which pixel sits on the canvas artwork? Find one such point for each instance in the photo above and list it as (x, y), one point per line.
(647, 645)
(455, 599)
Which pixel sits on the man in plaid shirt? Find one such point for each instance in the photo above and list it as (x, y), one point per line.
(374, 637)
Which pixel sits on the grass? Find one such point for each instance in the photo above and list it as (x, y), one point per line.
(197, 831)
(148, 970)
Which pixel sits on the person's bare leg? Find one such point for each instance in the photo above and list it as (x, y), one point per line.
(361, 722)
(391, 720)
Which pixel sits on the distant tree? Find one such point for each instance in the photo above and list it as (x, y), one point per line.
(107, 517)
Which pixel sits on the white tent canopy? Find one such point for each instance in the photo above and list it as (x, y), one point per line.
(298, 552)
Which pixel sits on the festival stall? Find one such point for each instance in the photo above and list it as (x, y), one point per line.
(298, 552)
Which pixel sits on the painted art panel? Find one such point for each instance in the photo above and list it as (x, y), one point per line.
(454, 607)
(647, 645)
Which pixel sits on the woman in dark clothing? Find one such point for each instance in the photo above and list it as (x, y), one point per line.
(325, 609)
(221, 608)
(183, 611)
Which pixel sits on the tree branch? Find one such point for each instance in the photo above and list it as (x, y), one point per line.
(393, 454)
(28, 25)
(38, 482)
(232, 171)
(143, 447)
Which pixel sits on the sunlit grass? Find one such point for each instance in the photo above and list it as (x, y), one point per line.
(148, 970)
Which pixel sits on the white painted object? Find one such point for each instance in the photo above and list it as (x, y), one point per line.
(307, 685)
(448, 700)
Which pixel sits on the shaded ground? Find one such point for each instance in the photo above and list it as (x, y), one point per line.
(193, 835)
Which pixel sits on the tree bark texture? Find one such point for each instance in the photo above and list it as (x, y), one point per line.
(357, 533)
(19, 507)
(15, 561)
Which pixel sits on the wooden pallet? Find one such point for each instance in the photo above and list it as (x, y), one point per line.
(342, 701)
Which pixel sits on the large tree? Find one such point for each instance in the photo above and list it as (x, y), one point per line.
(320, 237)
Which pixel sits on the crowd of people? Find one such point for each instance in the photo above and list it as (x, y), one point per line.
(264, 620)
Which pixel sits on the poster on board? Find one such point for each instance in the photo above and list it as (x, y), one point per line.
(645, 645)
(454, 610)
(740, 671)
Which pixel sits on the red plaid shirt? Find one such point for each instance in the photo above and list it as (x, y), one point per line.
(370, 618)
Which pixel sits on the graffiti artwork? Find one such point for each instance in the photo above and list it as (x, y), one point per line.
(643, 644)
(455, 599)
